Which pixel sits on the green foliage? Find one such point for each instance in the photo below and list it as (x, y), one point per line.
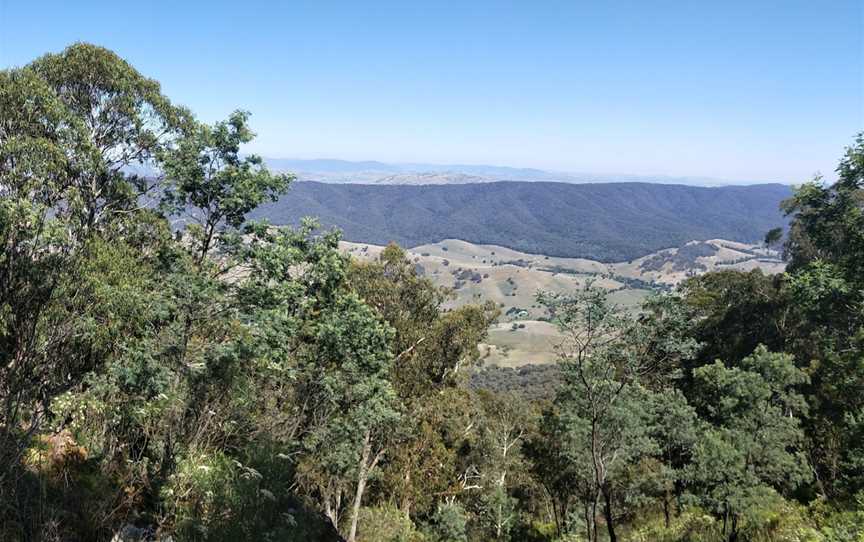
(386, 523)
(837, 525)
(449, 524)
(600, 430)
(124, 119)
(212, 184)
(751, 447)
(217, 497)
(772, 520)
(734, 312)
(828, 221)
(773, 237)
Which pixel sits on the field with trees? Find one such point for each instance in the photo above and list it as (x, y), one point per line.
(171, 370)
(522, 333)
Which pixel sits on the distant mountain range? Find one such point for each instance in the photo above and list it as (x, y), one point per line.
(606, 222)
(372, 172)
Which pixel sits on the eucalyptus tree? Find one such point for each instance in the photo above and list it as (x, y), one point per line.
(773, 237)
(210, 186)
(610, 360)
(598, 377)
(825, 248)
(503, 429)
(327, 356)
(125, 121)
(86, 143)
(675, 429)
(751, 445)
(434, 352)
(71, 125)
(37, 134)
(195, 352)
(208, 189)
(564, 477)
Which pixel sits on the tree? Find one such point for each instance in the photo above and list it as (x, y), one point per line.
(72, 125)
(357, 404)
(38, 139)
(812, 312)
(449, 523)
(774, 236)
(563, 480)
(505, 423)
(604, 357)
(433, 353)
(827, 220)
(96, 297)
(126, 121)
(321, 344)
(674, 428)
(825, 248)
(732, 312)
(751, 443)
(208, 181)
(433, 350)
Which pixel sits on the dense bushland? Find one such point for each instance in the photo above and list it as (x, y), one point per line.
(170, 370)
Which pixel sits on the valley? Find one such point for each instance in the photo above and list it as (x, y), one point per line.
(511, 279)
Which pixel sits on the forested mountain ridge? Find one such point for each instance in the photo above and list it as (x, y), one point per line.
(606, 222)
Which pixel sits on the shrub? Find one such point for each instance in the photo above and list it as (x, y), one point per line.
(386, 523)
(448, 524)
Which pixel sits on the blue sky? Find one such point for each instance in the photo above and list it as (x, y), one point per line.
(752, 90)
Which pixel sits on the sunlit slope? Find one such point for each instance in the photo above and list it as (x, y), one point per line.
(511, 279)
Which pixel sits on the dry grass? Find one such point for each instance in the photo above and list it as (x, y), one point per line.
(511, 279)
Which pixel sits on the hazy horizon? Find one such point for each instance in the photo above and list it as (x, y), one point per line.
(735, 92)
(420, 167)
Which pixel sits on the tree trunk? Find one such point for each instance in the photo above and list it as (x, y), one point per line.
(558, 510)
(355, 509)
(666, 498)
(331, 509)
(599, 476)
(406, 499)
(361, 487)
(590, 514)
(406, 508)
(555, 516)
(588, 528)
(733, 532)
(607, 512)
(362, 477)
